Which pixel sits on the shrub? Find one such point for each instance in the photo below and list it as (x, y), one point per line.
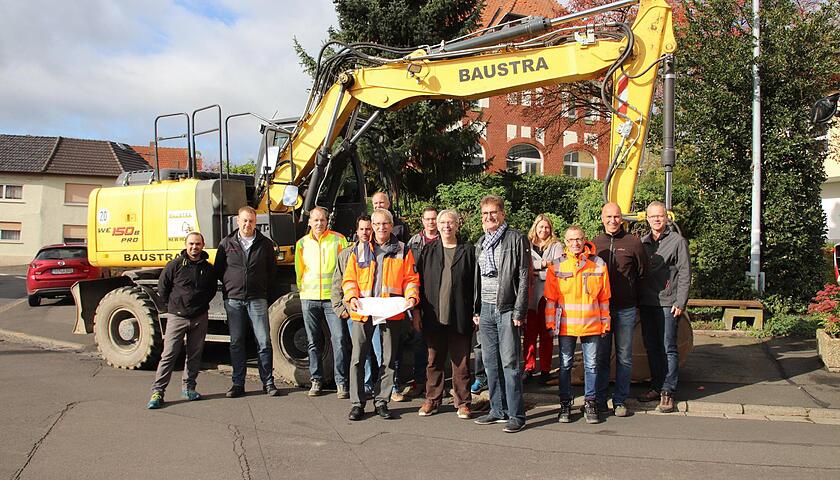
(826, 308)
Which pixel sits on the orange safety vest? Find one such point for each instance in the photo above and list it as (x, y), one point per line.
(577, 294)
(399, 278)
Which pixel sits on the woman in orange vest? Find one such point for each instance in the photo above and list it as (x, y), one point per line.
(577, 294)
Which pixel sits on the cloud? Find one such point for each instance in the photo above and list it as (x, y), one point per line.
(103, 69)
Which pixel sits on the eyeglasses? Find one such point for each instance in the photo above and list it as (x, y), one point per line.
(377, 225)
(491, 213)
(656, 217)
(575, 240)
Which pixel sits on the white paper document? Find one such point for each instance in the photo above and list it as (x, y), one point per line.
(380, 308)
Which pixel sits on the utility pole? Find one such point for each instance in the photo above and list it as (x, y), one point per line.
(755, 273)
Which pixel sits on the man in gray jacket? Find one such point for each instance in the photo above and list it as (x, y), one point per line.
(503, 263)
(663, 294)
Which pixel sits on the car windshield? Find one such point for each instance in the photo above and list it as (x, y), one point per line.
(62, 253)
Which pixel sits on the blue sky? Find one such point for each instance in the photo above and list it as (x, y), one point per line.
(104, 69)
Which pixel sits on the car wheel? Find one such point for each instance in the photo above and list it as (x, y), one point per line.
(126, 329)
(34, 300)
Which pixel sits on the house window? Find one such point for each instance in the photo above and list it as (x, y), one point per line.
(75, 234)
(524, 158)
(513, 98)
(484, 102)
(579, 164)
(568, 106)
(11, 192)
(78, 193)
(511, 132)
(9, 231)
(477, 156)
(592, 111)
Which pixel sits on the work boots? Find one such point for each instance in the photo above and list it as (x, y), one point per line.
(565, 415)
(666, 402)
(590, 411)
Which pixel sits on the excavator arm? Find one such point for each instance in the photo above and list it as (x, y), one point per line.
(485, 66)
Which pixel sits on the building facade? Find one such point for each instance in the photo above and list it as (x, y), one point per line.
(44, 187)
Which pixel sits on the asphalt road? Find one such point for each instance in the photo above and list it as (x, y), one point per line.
(67, 415)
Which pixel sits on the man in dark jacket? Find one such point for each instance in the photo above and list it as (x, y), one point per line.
(627, 263)
(663, 294)
(186, 286)
(245, 265)
(503, 274)
(401, 231)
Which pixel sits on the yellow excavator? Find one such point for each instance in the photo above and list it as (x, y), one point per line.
(141, 223)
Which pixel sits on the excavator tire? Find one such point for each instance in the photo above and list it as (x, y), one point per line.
(290, 344)
(126, 329)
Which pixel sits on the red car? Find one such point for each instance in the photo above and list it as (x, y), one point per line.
(55, 269)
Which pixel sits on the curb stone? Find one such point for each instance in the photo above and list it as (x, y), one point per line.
(768, 410)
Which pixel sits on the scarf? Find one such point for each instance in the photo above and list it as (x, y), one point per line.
(489, 244)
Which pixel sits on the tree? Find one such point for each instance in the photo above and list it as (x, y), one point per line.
(421, 145)
(714, 139)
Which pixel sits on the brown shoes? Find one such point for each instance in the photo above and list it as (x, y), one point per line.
(428, 408)
(649, 396)
(464, 412)
(666, 402)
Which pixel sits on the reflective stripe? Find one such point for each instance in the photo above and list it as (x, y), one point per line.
(391, 290)
(582, 307)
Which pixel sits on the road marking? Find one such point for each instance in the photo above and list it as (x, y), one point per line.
(12, 305)
(43, 341)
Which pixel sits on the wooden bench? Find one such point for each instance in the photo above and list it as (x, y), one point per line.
(734, 308)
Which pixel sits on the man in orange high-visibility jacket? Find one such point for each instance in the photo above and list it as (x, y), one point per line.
(382, 268)
(577, 294)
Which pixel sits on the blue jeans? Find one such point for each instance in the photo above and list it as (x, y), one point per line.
(659, 331)
(501, 347)
(622, 325)
(589, 348)
(479, 372)
(315, 312)
(254, 313)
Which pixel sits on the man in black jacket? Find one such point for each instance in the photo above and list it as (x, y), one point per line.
(186, 286)
(245, 265)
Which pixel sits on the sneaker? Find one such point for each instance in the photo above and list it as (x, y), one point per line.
(383, 412)
(271, 390)
(356, 414)
(478, 386)
(190, 394)
(415, 389)
(621, 411)
(565, 415)
(315, 388)
(649, 396)
(235, 391)
(666, 402)
(427, 409)
(489, 419)
(156, 401)
(342, 392)
(590, 411)
(464, 412)
(513, 426)
(397, 396)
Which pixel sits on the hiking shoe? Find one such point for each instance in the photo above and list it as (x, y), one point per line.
(314, 389)
(478, 386)
(513, 426)
(382, 411)
(235, 391)
(190, 394)
(621, 411)
(397, 396)
(464, 412)
(271, 390)
(342, 392)
(427, 409)
(590, 411)
(666, 402)
(649, 396)
(565, 415)
(489, 419)
(156, 401)
(356, 413)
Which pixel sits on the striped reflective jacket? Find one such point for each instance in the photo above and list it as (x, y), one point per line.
(315, 261)
(399, 278)
(577, 294)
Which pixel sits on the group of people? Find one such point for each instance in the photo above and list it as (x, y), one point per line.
(505, 286)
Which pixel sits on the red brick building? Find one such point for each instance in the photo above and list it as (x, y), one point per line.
(512, 140)
(170, 157)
